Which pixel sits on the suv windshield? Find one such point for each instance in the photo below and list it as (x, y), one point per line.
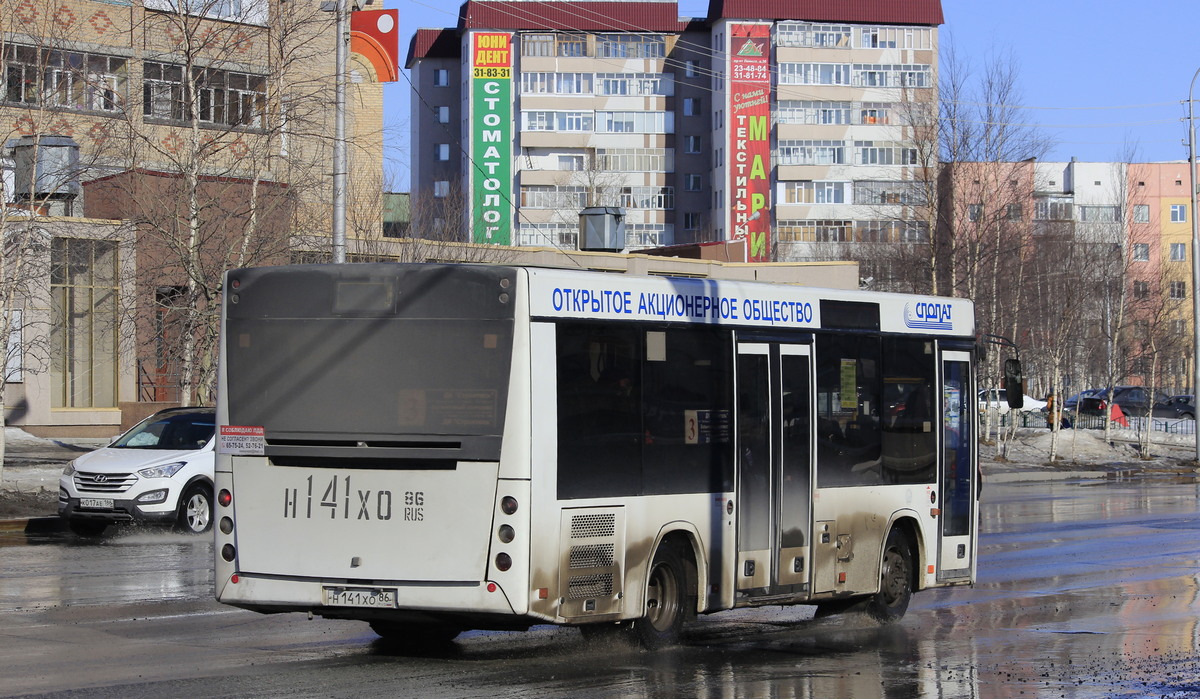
(174, 430)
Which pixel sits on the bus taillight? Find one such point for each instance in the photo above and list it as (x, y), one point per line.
(506, 534)
(503, 561)
(224, 497)
(508, 505)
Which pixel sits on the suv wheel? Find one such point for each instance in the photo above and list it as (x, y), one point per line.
(195, 509)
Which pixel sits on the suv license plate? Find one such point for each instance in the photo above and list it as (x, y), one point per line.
(96, 503)
(374, 597)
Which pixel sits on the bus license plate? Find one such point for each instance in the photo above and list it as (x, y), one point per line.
(96, 503)
(360, 597)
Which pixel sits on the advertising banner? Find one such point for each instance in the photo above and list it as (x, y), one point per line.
(750, 137)
(491, 138)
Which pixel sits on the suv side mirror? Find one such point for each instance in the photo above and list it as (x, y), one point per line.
(1014, 384)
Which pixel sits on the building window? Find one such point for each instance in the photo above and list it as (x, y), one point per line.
(811, 192)
(812, 112)
(1178, 213)
(441, 189)
(691, 69)
(1100, 214)
(811, 152)
(1013, 212)
(803, 34)
(1141, 289)
(814, 74)
(636, 159)
(441, 77)
(637, 84)
(242, 11)
(83, 330)
(1178, 290)
(691, 106)
(631, 46)
(1053, 209)
(974, 212)
(634, 122)
(64, 79)
(695, 182)
(692, 144)
(889, 192)
(884, 75)
(556, 83)
(442, 151)
(570, 162)
(443, 114)
(884, 153)
(1141, 213)
(225, 97)
(547, 120)
(1141, 252)
(691, 221)
(1178, 252)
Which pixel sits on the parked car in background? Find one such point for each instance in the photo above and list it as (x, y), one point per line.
(997, 399)
(1070, 404)
(1184, 406)
(161, 471)
(1134, 400)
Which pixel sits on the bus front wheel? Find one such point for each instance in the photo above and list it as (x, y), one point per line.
(895, 580)
(667, 599)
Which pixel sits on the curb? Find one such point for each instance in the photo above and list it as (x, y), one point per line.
(33, 525)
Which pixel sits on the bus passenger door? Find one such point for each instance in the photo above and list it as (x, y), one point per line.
(957, 482)
(774, 444)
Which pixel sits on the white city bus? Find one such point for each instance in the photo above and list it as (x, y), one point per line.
(433, 448)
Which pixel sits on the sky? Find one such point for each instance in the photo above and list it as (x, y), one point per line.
(1099, 78)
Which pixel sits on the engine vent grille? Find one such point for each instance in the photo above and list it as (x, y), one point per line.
(594, 525)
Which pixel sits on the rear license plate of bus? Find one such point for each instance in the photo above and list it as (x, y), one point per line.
(360, 597)
(96, 503)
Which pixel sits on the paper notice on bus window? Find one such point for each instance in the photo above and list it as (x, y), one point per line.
(241, 440)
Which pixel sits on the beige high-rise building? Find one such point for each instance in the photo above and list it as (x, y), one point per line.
(787, 124)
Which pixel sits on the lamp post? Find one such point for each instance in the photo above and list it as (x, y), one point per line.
(339, 140)
(1195, 250)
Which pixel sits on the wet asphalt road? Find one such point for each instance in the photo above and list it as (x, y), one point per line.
(1086, 589)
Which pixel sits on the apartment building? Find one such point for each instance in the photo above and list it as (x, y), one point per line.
(192, 137)
(785, 124)
(1086, 265)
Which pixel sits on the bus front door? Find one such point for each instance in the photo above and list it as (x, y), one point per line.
(774, 487)
(957, 480)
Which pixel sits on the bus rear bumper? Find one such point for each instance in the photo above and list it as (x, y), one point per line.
(440, 599)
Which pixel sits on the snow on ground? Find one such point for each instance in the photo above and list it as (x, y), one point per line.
(1031, 446)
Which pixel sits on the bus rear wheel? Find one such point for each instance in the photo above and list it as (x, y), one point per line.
(667, 597)
(895, 580)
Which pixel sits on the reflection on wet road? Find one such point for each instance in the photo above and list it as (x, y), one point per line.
(1084, 589)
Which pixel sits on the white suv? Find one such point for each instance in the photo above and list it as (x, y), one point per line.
(161, 471)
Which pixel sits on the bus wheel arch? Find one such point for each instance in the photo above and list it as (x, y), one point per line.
(897, 572)
(671, 590)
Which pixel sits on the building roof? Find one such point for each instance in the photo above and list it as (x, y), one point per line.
(433, 43)
(857, 11)
(569, 15)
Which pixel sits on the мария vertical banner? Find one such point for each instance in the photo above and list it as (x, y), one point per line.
(491, 139)
(750, 136)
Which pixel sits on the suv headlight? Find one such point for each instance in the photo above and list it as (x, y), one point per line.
(163, 471)
(70, 469)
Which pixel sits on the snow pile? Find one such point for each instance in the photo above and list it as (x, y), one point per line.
(1031, 446)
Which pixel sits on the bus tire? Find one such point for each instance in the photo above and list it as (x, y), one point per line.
(415, 635)
(895, 580)
(667, 598)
